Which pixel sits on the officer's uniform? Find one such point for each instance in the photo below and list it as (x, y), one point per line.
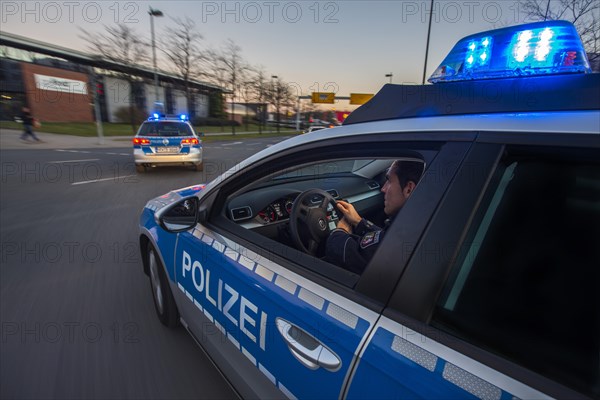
(354, 251)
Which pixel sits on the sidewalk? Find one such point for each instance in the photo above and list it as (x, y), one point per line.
(9, 140)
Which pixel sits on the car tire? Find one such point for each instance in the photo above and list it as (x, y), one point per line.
(199, 166)
(140, 168)
(164, 302)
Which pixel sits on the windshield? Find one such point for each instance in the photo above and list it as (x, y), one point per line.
(328, 168)
(165, 129)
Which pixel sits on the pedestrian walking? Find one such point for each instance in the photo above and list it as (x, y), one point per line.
(28, 122)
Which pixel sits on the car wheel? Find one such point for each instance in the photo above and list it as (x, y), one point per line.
(164, 303)
(199, 166)
(140, 168)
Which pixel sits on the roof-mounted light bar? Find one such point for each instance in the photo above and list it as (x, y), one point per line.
(157, 116)
(540, 48)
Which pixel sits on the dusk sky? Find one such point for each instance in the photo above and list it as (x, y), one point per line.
(340, 46)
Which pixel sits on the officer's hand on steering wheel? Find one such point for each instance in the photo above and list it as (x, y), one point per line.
(349, 213)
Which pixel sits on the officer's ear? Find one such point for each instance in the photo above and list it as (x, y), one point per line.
(408, 188)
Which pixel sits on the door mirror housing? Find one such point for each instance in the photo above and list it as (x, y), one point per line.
(180, 216)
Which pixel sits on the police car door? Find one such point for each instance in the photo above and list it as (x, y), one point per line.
(250, 305)
(300, 335)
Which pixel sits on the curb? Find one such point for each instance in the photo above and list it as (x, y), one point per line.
(10, 140)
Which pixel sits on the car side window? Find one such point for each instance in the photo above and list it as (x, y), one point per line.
(525, 285)
(255, 205)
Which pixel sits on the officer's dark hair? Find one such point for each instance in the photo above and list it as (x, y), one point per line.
(407, 171)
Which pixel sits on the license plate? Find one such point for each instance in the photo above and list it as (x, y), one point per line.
(167, 149)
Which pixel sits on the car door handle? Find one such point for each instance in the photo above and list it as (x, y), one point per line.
(305, 348)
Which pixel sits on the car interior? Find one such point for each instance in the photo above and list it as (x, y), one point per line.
(284, 206)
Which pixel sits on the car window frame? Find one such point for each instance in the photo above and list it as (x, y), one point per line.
(415, 293)
(338, 148)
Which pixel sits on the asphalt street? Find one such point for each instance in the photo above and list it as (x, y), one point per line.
(77, 318)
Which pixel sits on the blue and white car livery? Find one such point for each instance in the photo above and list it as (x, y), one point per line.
(485, 284)
(164, 140)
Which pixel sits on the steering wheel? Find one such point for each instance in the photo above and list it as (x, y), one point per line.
(313, 217)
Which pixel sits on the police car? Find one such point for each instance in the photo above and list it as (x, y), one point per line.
(163, 140)
(486, 282)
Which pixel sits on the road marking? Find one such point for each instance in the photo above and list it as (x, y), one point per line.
(68, 161)
(103, 179)
(231, 144)
(93, 152)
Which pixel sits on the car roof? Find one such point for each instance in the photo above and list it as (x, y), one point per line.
(524, 94)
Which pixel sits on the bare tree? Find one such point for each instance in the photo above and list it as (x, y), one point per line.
(259, 86)
(119, 44)
(247, 92)
(228, 68)
(584, 14)
(280, 95)
(181, 47)
(215, 74)
(255, 89)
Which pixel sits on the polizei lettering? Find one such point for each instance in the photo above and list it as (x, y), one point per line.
(235, 307)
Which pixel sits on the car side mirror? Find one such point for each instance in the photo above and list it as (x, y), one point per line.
(180, 216)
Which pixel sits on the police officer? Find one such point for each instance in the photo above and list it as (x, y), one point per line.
(355, 240)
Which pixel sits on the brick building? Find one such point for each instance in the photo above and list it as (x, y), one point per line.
(57, 95)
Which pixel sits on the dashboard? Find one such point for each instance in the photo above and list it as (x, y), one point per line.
(266, 210)
(278, 210)
(272, 205)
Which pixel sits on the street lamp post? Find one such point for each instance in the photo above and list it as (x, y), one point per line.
(275, 99)
(390, 75)
(298, 114)
(154, 13)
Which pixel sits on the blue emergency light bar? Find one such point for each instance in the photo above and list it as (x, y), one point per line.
(540, 48)
(158, 116)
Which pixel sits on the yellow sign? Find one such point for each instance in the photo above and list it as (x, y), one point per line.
(360, 98)
(323, 97)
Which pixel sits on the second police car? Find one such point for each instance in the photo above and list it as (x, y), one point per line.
(167, 140)
(485, 284)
